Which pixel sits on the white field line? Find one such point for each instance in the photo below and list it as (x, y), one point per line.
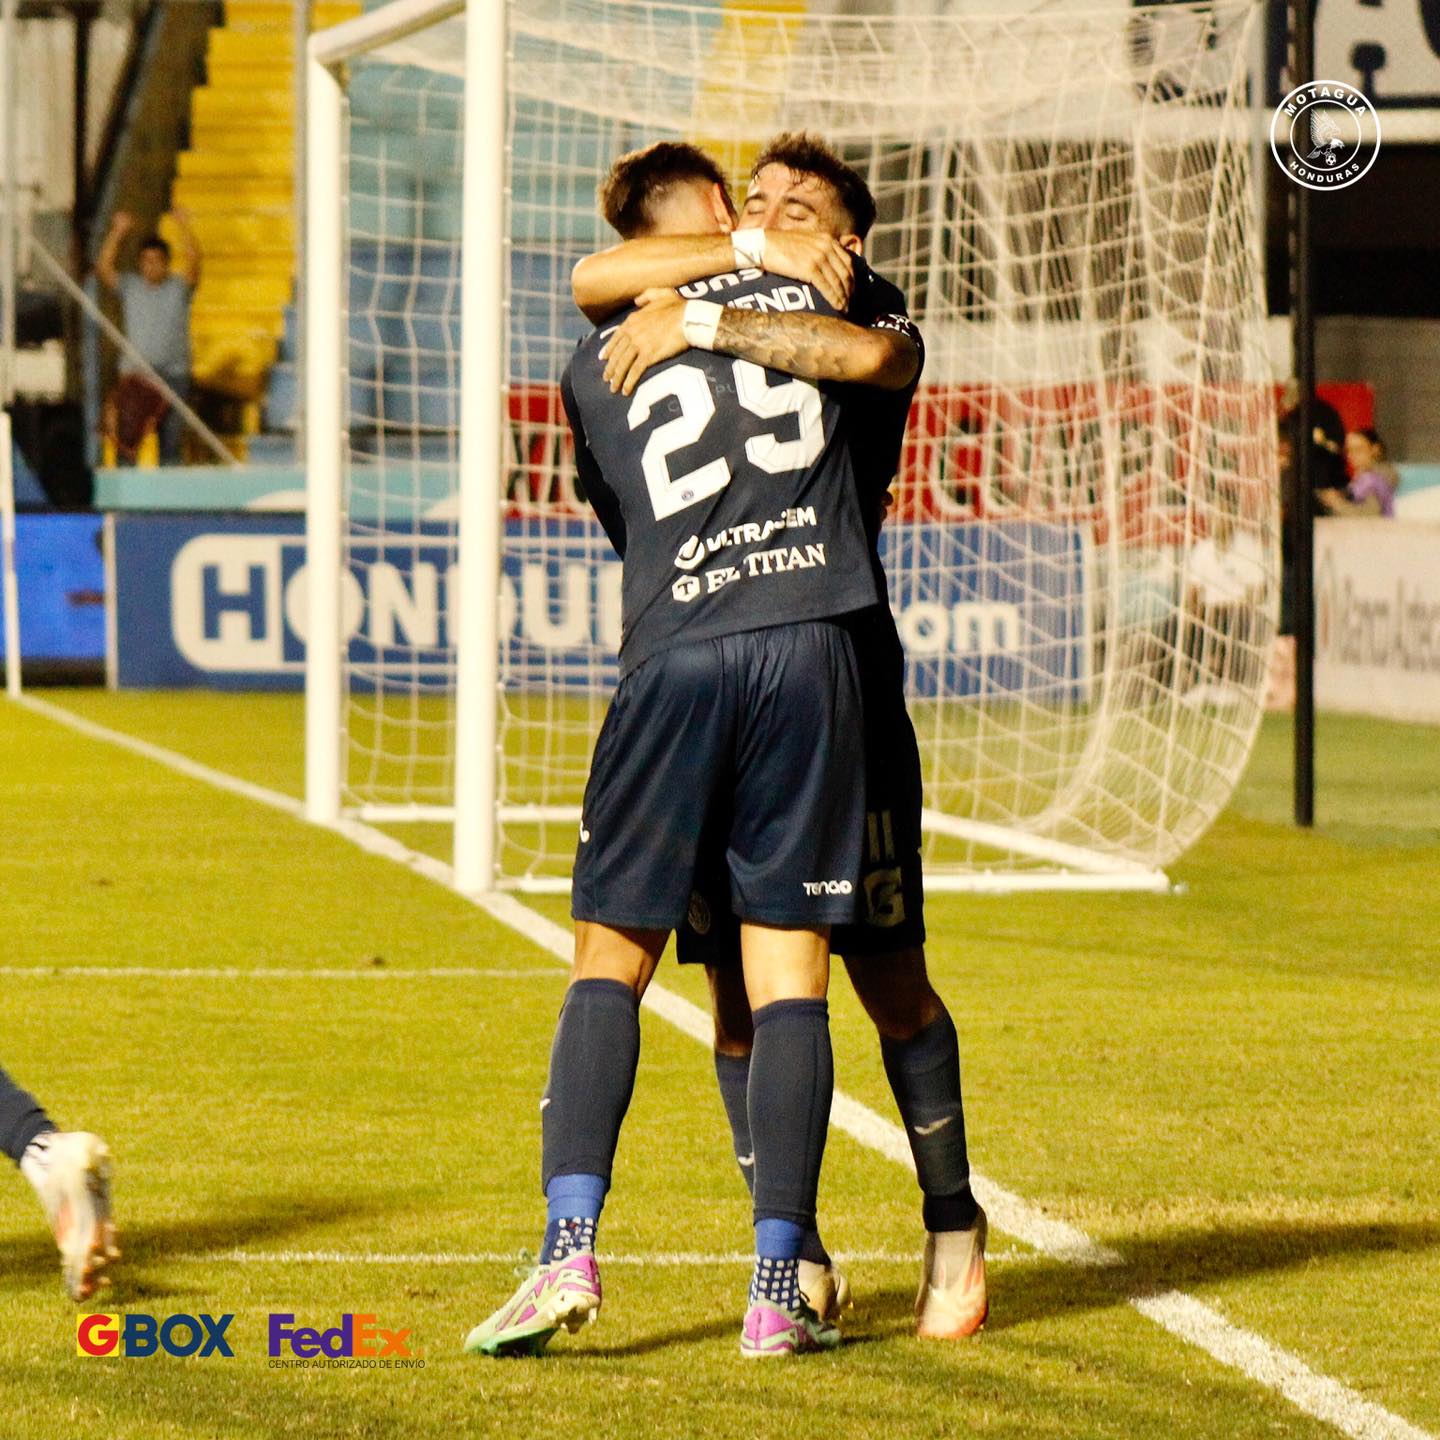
(1182, 1315)
(275, 972)
(664, 1259)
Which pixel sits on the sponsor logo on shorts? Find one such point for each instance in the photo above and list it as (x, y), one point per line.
(828, 887)
(693, 552)
(698, 914)
(884, 898)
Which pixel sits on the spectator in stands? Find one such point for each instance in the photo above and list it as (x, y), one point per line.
(1373, 480)
(1327, 440)
(1327, 473)
(156, 304)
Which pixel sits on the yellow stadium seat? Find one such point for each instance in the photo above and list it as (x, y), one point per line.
(238, 181)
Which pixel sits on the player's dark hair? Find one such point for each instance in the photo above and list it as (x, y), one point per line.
(154, 242)
(639, 181)
(808, 154)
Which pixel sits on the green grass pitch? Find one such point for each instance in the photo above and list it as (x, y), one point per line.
(1238, 1088)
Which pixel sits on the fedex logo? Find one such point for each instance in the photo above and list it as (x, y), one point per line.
(354, 1335)
(137, 1337)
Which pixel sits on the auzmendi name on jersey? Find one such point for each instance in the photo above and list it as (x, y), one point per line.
(738, 476)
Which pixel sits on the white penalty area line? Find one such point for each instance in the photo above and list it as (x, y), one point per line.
(275, 972)
(671, 1259)
(1181, 1315)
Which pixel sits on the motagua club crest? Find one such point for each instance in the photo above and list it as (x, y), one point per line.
(1325, 135)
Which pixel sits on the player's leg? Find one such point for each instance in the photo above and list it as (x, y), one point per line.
(734, 1037)
(791, 1082)
(711, 935)
(593, 1059)
(592, 1076)
(794, 848)
(70, 1172)
(885, 957)
(922, 1062)
(644, 812)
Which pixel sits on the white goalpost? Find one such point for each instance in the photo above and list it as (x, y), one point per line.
(1083, 550)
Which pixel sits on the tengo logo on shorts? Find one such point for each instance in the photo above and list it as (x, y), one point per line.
(1318, 135)
(827, 887)
(137, 1337)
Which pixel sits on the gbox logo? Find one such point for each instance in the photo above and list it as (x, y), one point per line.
(137, 1337)
(354, 1335)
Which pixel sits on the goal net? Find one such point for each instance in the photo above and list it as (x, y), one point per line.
(1082, 554)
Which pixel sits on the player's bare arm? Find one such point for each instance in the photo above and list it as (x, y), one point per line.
(812, 347)
(611, 279)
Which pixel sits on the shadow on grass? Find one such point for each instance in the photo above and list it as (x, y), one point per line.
(1171, 1260)
(726, 1327)
(33, 1260)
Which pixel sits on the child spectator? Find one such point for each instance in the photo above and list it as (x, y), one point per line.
(156, 304)
(1373, 481)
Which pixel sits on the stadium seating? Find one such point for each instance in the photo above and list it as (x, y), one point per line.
(237, 180)
(403, 222)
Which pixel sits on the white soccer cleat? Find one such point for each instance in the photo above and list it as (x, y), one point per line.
(953, 1301)
(824, 1289)
(73, 1182)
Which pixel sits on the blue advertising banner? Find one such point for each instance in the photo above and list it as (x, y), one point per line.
(61, 577)
(986, 608)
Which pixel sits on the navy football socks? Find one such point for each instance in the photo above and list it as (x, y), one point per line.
(792, 1079)
(21, 1118)
(924, 1073)
(733, 1073)
(592, 1076)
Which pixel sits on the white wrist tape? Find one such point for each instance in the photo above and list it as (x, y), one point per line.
(700, 322)
(749, 247)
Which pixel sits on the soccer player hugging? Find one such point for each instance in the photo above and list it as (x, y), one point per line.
(755, 787)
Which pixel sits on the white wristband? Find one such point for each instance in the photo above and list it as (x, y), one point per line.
(749, 247)
(700, 322)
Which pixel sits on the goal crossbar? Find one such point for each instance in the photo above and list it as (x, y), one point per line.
(1064, 193)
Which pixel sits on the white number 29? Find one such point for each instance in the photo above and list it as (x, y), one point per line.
(688, 385)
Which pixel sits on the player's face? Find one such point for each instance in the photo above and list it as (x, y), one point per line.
(780, 198)
(696, 207)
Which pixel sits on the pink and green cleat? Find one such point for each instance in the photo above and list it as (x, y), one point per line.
(563, 1294)
(771, 1330)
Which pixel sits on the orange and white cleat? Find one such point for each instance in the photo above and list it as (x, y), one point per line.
(825, 1290)
(953, 1301)
(71, 1170)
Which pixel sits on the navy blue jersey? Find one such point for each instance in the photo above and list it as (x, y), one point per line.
(875, 418)
(727, 489)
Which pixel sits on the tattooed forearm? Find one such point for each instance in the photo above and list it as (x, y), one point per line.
(818, 347)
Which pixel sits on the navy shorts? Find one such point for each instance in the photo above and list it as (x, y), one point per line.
(751, 742)
(889, 875)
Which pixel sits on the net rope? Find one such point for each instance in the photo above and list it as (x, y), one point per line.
(1083, 550)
